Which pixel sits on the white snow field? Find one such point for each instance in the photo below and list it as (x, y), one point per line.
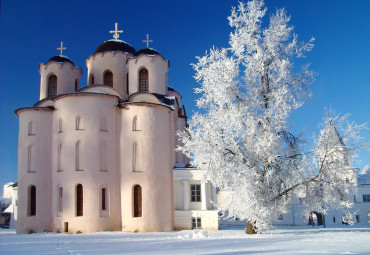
(283, 240)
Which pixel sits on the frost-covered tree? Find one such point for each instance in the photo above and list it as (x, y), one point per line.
(330, 180)
(240, 138)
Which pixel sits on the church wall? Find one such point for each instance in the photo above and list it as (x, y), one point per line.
(113, 61)
(179, 195)
(157, 68)
(91, 108)
(66, 75)
(34, 170)
(153, 168)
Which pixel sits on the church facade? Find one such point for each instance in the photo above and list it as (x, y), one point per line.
(102, 157)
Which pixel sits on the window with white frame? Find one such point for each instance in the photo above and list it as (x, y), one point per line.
(195, 193)
(196, 223)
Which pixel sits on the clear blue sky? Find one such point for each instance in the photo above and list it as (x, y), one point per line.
(30, 32)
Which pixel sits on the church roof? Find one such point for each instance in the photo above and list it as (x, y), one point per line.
(147, 51)
(334, 136)
(61, 59)
(115, 45)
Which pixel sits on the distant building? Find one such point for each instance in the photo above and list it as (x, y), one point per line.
(8, 205)
(103, 157)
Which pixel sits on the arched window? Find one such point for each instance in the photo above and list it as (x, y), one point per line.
(52, 86)
(108, 78)
(59, 158)
(32, 201)
(91, 79)
(135, 165)
(102, 157)
(79, 123)
(137, 201)
(79, 200)
(29, 158)
(143, 80)
(31, 128)
(135, 124)
(77, 156)
(60, 125)
(103, 124)
(77, 85)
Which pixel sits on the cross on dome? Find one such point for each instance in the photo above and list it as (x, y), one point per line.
(61, 48)
(116, 31)
(147, 40)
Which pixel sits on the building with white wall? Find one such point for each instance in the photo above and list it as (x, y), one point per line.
(102, 157)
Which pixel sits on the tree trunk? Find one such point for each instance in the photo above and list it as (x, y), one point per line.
(250, 229)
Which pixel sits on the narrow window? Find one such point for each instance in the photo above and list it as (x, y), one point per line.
(134, 157)
(60, 125)
(195, 193)
(60, 200)
(196, 223)
(143, 80)
(79, 200)
(52, 86)
(334, 219)
(127, 87)
(31, 128)
(135, 124)
(77, 156)
(103, 199)
(29, 159)
(103, 124)
(77, 85)
(79, 123)
(32, 201)
(102, 157)
(91, 79)
(357, 218)
(108, 78)
(368, 217)
(137, 201)
(59, 158)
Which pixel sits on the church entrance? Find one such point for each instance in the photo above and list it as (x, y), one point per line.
(315, 218)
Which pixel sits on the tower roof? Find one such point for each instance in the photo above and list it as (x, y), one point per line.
(61, 59)
(334, 136)
(147, 51)
(115, 45)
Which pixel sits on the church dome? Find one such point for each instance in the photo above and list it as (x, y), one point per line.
(147, 51)
(61, 59)
(115, 45)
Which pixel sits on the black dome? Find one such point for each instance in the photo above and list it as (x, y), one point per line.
(147, 51)
(61, 59)
(115, 45)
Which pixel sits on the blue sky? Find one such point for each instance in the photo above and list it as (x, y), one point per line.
(30, 32)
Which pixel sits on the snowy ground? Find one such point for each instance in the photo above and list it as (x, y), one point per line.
(284, 240)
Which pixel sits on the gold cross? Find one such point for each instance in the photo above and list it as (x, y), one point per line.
(116, 31)
(61, 48)
(147, 40)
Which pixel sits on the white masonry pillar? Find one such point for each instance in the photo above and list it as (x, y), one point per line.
(203, 195)
(214, 196)
(186, 195)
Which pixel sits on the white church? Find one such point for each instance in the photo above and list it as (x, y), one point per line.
(102, 157)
